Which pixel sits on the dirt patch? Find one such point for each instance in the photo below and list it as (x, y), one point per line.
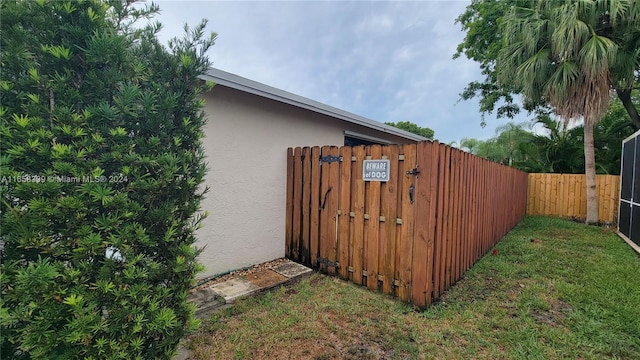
(473, 288)
(359, 350)
(265, 278)
(325, 345)
(562, 234)
(366, 351)
(291, 291)
(553, 317)
(315, 280)
(246, 273)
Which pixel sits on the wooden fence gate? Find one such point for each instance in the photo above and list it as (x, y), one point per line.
(411, 236)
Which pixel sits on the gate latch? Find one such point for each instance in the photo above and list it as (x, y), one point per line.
(413, 171)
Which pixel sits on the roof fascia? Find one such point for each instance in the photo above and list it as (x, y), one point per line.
(253, 87)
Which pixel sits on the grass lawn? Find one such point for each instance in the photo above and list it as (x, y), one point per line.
(556, 290)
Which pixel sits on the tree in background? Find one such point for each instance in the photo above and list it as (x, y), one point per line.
(100, 181)
(608, 134)
(413, 128)
(510, 135)
(484, 40)
(470, 144)
(505, 148)
(559, 149)
(570, 54)
(564, 56)
(482, 43)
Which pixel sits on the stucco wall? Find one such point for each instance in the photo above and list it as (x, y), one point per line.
(246, 138)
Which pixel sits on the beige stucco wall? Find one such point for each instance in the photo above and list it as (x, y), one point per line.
(246, 139)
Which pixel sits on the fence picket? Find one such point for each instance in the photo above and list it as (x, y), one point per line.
(389, 200)
(344, 220)
(372, 225)
(288, 233)
(306, 205)
(331, 208)
(439, 244)
(420, 247)
(405, 246)
(314, 207)
(358, 186)
(451, 225)
(297, 203)
(457, 221)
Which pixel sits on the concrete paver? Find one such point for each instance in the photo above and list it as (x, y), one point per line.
(292, 270)
(206, 300)
(233, 289)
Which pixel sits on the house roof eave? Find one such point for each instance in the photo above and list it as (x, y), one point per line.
(253, 87)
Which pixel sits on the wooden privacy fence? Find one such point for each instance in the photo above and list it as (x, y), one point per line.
(412, 236)
(564, 195)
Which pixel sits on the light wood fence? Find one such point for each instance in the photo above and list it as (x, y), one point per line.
(412, 236)
(564, 195)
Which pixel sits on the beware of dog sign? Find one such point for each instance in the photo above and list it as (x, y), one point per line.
(375, 170)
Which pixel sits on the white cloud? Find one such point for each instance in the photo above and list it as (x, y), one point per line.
(375, 24)
(389, 61)
(405, 53)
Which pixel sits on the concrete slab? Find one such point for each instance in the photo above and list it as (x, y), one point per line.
(233, 289)
(292, 269)
(206, 300)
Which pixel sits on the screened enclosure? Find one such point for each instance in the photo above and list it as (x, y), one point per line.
(629, 214)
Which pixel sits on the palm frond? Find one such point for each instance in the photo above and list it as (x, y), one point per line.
(617, 10)
(561, 88)
(533, 71)
(625, 65)
(596, 54)
(568, 38)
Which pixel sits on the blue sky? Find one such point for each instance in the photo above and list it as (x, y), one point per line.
(388, 61)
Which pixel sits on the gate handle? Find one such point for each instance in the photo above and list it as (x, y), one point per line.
(411, 189)
(325, 198)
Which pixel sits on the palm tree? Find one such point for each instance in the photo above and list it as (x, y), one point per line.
(470, 144)
(566, 53)
(492, 150)
(504, 148)
(560, 149)
(509, 136)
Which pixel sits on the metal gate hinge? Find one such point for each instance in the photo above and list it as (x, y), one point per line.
(330, 159)
(326, 261)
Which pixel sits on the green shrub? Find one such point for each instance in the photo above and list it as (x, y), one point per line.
(101, 172)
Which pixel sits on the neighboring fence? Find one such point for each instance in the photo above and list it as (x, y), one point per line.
(412, 236)
(564, 195)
